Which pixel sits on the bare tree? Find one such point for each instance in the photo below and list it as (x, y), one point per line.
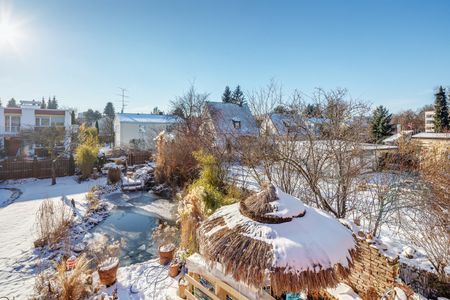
(51, 138)
(316, 158)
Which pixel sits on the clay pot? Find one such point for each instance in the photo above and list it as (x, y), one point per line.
(182, 286)
(166, 254)
(107, 271)
(174, 270)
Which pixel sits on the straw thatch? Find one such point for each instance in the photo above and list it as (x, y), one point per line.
(235, 237)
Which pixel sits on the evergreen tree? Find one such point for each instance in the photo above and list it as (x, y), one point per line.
(281, 109)
(238, 96)
(54, 103)
(0, 102)
(109, 110)
(441, 121)
(312, 111)
(73, 119)
(43, 106)
(226, 97)
(49, 103)
(12, 103)
(97, 127)
(381, 123)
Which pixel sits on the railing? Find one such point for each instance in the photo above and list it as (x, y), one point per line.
(12, 129)
(218, 289)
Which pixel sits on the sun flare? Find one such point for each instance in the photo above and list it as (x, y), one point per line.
(7, 32)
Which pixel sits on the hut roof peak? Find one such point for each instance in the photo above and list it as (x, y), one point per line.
(272, 205)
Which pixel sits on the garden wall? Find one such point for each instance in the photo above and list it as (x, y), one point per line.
(372, 271)
(424, 282)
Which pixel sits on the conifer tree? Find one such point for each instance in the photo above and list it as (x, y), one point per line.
(49, 103)
(43, 106)
(109, 110)
(54, 103)
(73, 119)
(97, 127)
(238, 96)
(441, 121)
(381, 123)
(0, 102)
(226, 97)
(12, 103)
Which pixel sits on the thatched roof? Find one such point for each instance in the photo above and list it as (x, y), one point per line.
(273, 238)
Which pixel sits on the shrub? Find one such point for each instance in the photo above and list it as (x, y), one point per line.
(114, 175)
(63, 285)
(53, 221)
(86, 156)
(88, 135)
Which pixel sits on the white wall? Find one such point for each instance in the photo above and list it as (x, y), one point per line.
(27, 119)
(2, 120)
(129, 131)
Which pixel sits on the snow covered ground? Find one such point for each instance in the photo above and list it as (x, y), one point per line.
(148, 280)
(17, 220)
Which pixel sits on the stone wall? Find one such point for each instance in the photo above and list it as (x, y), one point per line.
(424, 282)
(372, 272)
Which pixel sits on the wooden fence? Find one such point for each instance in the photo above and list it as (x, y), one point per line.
(21, 168)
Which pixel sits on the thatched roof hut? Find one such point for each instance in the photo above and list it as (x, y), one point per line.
(272, 238)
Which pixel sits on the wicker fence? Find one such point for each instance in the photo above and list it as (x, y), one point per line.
(21, 168)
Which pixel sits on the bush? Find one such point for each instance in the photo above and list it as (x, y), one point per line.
(53, 221)
(114, 175)
(63, 285)
(86, 156)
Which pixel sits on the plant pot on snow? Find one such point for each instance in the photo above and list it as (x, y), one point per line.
(166, 253)
(107, 271)
(174, 269)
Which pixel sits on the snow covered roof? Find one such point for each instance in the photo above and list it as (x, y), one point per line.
(297, 248)
(229, 118)
(289, 123)
(432, 135)
(146, 118)
(393, 138)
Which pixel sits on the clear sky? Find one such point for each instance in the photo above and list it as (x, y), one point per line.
(387, 52)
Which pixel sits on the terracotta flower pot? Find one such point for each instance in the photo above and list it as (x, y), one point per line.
(182, 286)
(107, 271)
(166, 253)
(174, 270)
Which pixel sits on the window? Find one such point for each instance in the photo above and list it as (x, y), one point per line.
(236, 124)
(58, 121)
(12, 123)
(42, 121)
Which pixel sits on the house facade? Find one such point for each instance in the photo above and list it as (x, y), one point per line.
(140, 130)
(229, 122)
(429, 139)
(429, 120)
(28, 115)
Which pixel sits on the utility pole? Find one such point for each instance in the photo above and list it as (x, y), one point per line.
(122, 94)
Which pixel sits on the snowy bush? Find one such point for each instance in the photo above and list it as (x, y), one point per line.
(53, 222)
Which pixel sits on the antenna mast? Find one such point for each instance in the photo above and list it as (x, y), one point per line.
(122, 94)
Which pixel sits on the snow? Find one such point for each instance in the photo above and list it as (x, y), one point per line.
(148, 280)
(162, 208)
(301, 244)
(109, 264)
(17, 260)
(431, 135)
(286, 206)
(343, 292)
(146, 118)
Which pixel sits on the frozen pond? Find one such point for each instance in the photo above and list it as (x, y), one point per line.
(132, 220)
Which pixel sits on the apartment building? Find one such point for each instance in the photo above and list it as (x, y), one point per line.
(429, 121)
(28, 115)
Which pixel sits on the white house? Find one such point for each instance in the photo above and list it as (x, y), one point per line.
(290, 125)
(28, 116)
(429, 120)
(140, 130)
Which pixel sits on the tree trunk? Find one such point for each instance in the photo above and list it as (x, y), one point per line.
(53, 168)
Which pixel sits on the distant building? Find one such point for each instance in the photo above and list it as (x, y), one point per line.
(395, 138)
(28, 116)
(290, 125)
(140, 130)
(429, 120)
(229, 122)
(428, 139)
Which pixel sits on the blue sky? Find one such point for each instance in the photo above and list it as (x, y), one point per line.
(387, 52)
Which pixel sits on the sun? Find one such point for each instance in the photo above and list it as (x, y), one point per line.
(8, 33)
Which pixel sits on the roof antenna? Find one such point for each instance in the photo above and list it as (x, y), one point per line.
(122, 94)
